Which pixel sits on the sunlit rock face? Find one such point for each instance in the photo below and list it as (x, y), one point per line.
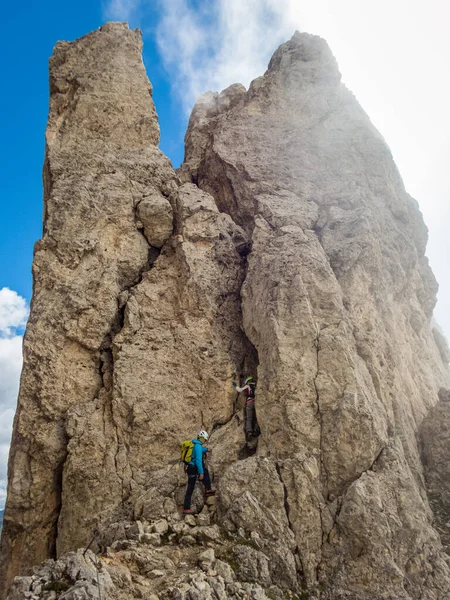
(135, 331)
(285, 247)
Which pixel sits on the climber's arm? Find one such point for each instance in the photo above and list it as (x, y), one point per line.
(198, 458)
(241, 389)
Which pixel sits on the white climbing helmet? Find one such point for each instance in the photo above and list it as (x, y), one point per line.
(203, 434)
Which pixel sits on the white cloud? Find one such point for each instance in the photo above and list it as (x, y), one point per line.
(10, 368)
(6, 418)
(13, 315)
(220, 43)
(121, 10)
(2, 495)
(13, 312)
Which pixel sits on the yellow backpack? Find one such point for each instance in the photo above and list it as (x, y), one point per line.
(187, 448)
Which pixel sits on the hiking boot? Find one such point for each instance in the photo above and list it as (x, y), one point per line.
(187, 511)
(210, 492)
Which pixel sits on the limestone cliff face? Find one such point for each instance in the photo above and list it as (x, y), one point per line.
(285, 247)
(128, 346)
(337, 301)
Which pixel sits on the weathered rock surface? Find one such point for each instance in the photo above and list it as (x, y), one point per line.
(101, 158)
(285, 247)
(435, 445)
(77, 576)
(129, 569)
(337, 301)
(129, 347)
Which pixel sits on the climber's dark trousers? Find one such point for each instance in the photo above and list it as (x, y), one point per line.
(192, 473)
(250, 419)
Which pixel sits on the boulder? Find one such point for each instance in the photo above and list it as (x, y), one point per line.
(156, 216)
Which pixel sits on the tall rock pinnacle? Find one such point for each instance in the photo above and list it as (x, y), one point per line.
(122, 348)
(286, 247)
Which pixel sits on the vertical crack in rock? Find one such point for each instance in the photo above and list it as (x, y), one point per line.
(250, 361)
(249, 366)
(106, 367)
(116, 329)
(319, 412)
(279, 470)
(58, 489)
(107, 373)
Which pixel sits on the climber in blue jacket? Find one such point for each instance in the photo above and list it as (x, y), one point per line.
(196, 468)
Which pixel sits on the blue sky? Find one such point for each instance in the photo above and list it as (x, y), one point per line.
(393, 55)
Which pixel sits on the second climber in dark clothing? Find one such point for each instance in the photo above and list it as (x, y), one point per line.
(196, 468)
(252, 429)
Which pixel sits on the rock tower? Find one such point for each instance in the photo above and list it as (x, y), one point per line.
(286, 247)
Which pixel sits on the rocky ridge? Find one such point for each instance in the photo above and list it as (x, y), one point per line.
(286, 247)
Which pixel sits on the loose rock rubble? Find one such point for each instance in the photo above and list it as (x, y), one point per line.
(212, 566)
(77, 576)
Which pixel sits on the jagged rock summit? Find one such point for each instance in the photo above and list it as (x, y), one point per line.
(286, 247)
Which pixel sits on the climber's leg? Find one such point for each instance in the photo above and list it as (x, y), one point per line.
(249, 418)
(255, 426)
(206, 480)
(191, 472)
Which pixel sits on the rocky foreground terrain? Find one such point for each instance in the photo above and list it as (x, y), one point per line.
(286, 247)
